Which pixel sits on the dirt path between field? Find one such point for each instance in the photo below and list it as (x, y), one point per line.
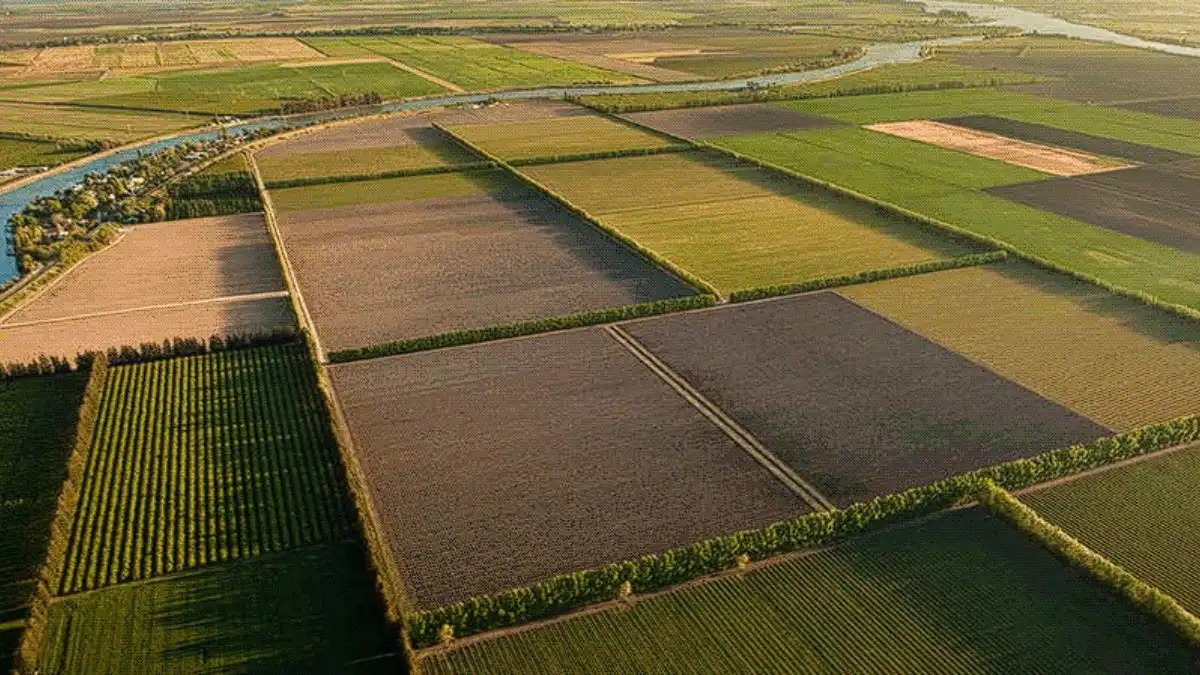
(428, 76)
(269, 295)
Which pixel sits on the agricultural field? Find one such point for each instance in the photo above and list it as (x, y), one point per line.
(736, 226)
(15, 152)
(205, 459)
(89, 124)
(728, 120)
(1142, 516)
(961, 593)
(468, 63)
(1075, 140)
(857, 405)
(226, 187)
(422, 255)
(307, 610)
(245, 90)
(1111, 359)
(37, 428)
(559, 136)
(589, 459)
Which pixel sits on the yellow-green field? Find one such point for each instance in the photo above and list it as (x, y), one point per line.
(361, 161)
(1120, 363)
(559, 136)
(90, 124)
(739, 227)
(335, 195)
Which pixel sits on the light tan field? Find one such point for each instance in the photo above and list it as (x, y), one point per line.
(1051, 160)
(1120, 363)
(157, 56)
(165, 263)
(21, 344)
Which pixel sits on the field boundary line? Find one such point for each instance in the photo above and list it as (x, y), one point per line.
(228, 299)
(289, 274)
(22, 304)
(1132, 461)
(426, 76)
(711, 411)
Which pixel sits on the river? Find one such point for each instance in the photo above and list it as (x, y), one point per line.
(14, 201)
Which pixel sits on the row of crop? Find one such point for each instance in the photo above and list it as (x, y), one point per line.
(972, 260)
(1148, 599)
(601, 154)
(653, 572)
(378, 175)
(388, 585)
(522, 328)
(26, 658)
(653, 256)
(203, 195)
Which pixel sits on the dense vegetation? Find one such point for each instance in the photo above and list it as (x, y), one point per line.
(225, 188)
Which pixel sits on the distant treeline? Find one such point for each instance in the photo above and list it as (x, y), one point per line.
(330, 102)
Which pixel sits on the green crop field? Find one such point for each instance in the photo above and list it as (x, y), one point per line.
(201, 460)
(18, 152)
(1144, 517)
(312, 610)
(962, 593)
(468, 63)
(37, 428)
(363, 161)
(736, 226)
(89, 124)
(384, 190)
(942, 184)
(243, 90)
(1111, 359)
(559, 136)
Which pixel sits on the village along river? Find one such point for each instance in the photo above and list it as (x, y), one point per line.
(13, 201)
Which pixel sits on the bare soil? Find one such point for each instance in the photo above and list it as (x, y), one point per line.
(503, 464)
(21, 344)
(1188, 107)
(1038, 133)
(166, 263)
(1159, 203)
(729, 120)
(376, 273)
(857, 405)
(1051, 160)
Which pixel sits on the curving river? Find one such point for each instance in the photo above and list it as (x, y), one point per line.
(13, 201)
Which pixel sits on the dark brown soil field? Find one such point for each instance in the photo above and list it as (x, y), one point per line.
(1038, 133)
(1160, 203)
(503, 464)
(729, 120)
(1188, 107)
(857, 405)
(374, 273)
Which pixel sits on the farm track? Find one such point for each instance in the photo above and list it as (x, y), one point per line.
(250, 297)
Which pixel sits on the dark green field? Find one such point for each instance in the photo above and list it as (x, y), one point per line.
(962, 593)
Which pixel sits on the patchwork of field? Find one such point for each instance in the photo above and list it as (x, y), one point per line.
(1040, 133)
(88, 124)
(559, 136)
(468, 63)
(736, 226)
(309, 610)
(1159, 203)
(1112, 360)
(54, 62)
(857, 405)
(728, 120)
(1044, 158)
(589, 459)
(205, 459)
(246, 90)
(586, 55)
(407, 257)
(961, 593)
(37, 428)
(1141, 516)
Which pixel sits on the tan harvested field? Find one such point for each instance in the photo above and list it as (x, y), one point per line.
(150, 57)
(736, 226)
(90, 124)
(1051, 160)
(572, 135)
(386, 260)
(1115, 361)
(502, 464)
(165, 263)
(589, 57)
(68, 338)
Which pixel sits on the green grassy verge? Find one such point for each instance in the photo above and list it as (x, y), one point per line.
(16, 152)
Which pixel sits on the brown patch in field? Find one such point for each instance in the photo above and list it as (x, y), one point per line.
(503, 464)
(383, 272)
(1188, 107)
(729, 120)
(165, 263)
(857, 405)
(1159, 203)
(1063, 138)
(151, 57)
(1056, 161)
(68, 338)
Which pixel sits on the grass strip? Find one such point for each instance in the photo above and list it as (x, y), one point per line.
(1150, 600)
(602, 154)
(523, 328)
(972, 260)
(566, 592)
(26, 658)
